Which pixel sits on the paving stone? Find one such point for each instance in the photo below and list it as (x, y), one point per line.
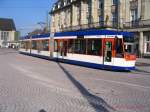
(29, 84)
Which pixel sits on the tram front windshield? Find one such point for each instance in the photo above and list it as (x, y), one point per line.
(129, 45)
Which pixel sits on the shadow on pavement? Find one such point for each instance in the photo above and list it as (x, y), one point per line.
(42, 110)
(142, 64)
(140, 71)
(96, 102)
(5, 51)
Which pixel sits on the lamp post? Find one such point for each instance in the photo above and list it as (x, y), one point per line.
(118, 18)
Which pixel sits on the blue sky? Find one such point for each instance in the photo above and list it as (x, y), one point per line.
(25, 13)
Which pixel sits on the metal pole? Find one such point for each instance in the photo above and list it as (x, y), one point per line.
(118, 11)
(30, 44)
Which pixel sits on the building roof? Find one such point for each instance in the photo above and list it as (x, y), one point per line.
(7, 24)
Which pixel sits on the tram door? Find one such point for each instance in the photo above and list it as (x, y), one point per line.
(108, 46)
(65, 48)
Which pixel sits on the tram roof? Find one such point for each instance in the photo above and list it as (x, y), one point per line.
(41, 35)
(94, 32)
(46, 35)
(83, 33)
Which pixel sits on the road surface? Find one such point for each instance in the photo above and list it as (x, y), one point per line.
(29, 84)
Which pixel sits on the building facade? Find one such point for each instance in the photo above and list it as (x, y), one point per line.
(7, 33)
(124, 15)
(81, 14)
(139, 23)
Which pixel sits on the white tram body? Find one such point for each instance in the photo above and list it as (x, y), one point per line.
(102, 49)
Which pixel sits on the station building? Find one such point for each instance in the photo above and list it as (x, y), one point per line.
(140, 24)
(7, 33)
(124, 15)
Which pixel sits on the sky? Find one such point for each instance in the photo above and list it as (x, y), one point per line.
(26, 13)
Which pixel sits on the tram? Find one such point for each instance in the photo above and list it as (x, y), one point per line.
(101, 49)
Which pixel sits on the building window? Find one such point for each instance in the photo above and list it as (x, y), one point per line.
(148, 38)
(94, 47)
(100, 5)
(114, 2)
(90, 18)
(68, 1)
(78, 13)
(148, 47)
(134, 17)
(4, 36)
(114, 19)
(147, 44)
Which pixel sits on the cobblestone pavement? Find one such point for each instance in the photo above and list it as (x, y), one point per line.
(29, 84)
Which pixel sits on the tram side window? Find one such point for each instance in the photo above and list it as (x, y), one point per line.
(23, 45)
(34, 44)
(39, 45)
(70, 46)
(45, 44)
(119, 48)
(27, 45)
(55, 46)
(80, 46)
(94, 47)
